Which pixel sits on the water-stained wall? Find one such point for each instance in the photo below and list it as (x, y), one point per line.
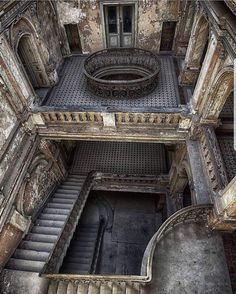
(149, 18)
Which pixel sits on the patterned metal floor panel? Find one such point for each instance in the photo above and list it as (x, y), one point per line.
(229, 154)
(120, 158)
(71, 89)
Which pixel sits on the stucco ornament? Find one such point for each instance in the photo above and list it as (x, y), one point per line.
(37, 185)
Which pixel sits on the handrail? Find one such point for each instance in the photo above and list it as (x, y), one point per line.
(195, 213)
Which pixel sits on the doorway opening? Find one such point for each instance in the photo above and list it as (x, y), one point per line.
(167, 35)
(30, 59)
(119, 25)
(73, 38)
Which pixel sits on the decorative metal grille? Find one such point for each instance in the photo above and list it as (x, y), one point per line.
(122, 61)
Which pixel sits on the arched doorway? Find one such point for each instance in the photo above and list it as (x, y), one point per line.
(31, 61)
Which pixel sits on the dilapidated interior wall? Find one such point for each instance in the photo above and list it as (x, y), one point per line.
(148, 28)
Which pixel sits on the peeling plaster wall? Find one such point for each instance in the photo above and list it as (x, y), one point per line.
(7, 121)
(49, 33)
(87, 15)
(150, 20)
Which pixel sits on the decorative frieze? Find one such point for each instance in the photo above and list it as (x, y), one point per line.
(212, 158)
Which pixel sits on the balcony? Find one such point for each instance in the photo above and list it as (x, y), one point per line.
(71, 109)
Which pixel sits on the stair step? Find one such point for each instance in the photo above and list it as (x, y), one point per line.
(76, 176)
(46, 230)
(30, 255)
(70, 186)
(50, 223)
(74, 271)
(41, 238)
(75, 266)
(74, 182)
(82, 244)
(56, 211)
(79, 260)
(62, 201)
(84, 238)
(51, 216)
(59, 206)
(26, 265)
(81, 254)
(65, 196)
(38, 246)
(67, 191)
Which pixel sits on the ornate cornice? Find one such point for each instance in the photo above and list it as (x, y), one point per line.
(10, 13)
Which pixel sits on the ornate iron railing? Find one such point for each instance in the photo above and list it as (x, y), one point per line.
(140, 65)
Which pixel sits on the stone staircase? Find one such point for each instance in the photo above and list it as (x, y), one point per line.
(60, 287)
(82, 249)
(35, 249)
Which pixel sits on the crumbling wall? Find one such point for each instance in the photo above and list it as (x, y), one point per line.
(151, 15)
(86, 14)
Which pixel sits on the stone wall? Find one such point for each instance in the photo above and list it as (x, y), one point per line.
(150, 17)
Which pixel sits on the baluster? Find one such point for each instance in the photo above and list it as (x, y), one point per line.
(94, 288)
(82, 288)
(139, 117)
(132, 288)
(72, 288)
(152, 118)
(99, 117)
(127, 117)
(53, 116)
(106, 288)
(118, 118)
(135, 118)
(84, 117)
(73, 116)
(119, 288)
(142, 118)
(46, 117)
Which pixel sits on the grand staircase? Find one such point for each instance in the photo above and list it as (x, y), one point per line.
(82, 250)
(34, 250)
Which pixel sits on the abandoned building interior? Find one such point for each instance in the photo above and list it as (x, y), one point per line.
(117, 160)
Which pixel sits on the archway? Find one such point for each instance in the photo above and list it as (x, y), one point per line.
(221, 89)
(30, 59)
(196, 50)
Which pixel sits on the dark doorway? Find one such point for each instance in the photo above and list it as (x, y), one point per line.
(187, 196)
(167, 36)
(73, 38)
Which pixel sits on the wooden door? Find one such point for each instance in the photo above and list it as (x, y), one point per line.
(119, 22)
(127, 25)
(112, 26)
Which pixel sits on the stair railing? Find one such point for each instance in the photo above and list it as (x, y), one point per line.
(98, 245)
(191, 214)
(195, 214)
